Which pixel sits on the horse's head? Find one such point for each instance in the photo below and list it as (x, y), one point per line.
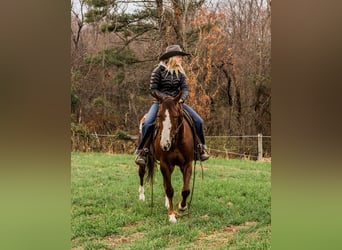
(169, 119)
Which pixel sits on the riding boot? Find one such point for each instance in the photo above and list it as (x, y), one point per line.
(203, 155)
(140, 159)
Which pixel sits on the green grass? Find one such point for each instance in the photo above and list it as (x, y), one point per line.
(231, 206)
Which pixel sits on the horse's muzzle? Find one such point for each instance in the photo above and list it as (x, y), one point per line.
(166, 146)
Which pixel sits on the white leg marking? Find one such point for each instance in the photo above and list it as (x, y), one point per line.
(165, 141)
(172, 218)
(141, 193)
(167, 204)
(182, 208)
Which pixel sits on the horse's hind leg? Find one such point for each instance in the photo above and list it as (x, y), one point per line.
(141, 187)
(187, 170)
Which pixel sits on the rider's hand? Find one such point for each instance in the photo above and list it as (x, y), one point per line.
(181, 101)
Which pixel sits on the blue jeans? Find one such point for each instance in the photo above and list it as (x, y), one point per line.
(148, 125)
(198, 122)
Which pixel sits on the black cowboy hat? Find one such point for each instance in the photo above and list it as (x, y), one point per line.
(172, 50)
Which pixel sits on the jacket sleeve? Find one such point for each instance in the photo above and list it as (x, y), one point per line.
(155, 81)
(184, 88)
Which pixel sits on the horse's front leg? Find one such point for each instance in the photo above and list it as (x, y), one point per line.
(186, 171)
(141, 187)
(167, 172)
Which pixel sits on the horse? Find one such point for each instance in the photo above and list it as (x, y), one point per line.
(172, 145)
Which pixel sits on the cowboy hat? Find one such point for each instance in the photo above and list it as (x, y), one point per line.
(172, 50)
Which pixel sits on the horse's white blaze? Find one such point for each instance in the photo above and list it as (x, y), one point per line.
(167, 204)
(141, 193)
(172, 218)
(165, 141)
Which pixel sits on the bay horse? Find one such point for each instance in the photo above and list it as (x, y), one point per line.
(172, 145)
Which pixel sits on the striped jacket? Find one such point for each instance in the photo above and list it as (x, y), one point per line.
(165, 82)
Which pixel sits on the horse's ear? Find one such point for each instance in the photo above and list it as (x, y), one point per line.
(177, 97)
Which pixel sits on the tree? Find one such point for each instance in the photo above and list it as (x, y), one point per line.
(249, 33)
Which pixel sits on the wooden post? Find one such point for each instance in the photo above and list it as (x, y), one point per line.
(259, 147)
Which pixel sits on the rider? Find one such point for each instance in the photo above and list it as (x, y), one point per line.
(167, 79)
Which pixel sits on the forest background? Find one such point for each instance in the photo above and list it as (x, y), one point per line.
(115, 44)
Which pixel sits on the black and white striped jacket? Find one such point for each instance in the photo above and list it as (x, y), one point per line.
(165, 82)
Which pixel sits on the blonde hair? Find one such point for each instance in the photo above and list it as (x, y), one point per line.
(173, 65)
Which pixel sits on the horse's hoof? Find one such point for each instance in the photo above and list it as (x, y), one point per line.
(182, 208)
(172, 218)
(141, 197)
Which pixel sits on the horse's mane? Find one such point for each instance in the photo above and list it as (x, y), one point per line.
(168, 102)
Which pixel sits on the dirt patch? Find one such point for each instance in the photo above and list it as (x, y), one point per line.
(234, 229)
(131, 226)
(219, 238)
(115, 240)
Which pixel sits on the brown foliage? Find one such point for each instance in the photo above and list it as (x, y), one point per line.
(211, 52)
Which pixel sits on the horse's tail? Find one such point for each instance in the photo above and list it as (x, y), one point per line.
(151, 165)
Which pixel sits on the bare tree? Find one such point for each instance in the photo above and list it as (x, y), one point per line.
(77, 19)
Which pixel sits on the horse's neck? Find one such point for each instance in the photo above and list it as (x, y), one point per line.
(184, 130)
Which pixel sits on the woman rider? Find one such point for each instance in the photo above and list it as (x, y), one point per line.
(167, 79)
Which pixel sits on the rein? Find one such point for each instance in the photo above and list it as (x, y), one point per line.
(192, 190)
(173, 139)
(176, 132)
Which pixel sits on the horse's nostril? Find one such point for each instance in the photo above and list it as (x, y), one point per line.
(166, 147)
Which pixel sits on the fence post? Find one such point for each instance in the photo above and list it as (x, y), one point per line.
(259, 147)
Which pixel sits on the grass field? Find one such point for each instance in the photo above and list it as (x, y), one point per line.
(231, 206)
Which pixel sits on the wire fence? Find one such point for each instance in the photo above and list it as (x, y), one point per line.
(252, 147)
